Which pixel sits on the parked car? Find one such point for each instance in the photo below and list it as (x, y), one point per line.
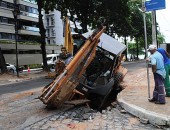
(12, 69)
(51, 59)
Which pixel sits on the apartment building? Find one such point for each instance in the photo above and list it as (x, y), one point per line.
(27, 31)
(27, 20)
(54, 25)
(54, 28)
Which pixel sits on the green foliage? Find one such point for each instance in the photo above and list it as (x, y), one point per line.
(160, 38)
(94, 12)
(33, 66)
(132, 47)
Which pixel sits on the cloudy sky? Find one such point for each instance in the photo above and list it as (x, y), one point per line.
(163, 19)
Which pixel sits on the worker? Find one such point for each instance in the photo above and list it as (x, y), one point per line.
(166, 57)
(63, 59)
(64, 55)
(159, 74)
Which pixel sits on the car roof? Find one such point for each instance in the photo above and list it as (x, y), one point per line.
(51, 55)
(108, 43)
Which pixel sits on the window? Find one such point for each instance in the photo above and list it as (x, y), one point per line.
(53, 41)
(10, 21)
(6, 36)
(35, 11)
(47, 21)
(48, 41)
(10, 5)
(3, 4)
(48, 32)
(52, 21)
(53, 32)
(4, 20)
(22, 7)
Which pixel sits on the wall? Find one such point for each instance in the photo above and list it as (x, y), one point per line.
(26, 58)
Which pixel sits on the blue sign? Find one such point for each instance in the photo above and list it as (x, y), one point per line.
(152, 5)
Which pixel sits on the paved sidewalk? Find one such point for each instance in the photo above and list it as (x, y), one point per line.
(134, 98)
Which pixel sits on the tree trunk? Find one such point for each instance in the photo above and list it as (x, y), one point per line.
(2, 62)
(43, 35)
(137, 49)
(126, 48)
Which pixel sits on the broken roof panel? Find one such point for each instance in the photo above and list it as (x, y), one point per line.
(108, 43)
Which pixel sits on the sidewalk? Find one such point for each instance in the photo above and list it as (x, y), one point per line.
(134, 98)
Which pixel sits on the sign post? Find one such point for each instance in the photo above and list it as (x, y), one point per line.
(153, 5)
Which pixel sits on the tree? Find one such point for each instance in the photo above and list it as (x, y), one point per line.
(92, 12)
(160, 38)
(2, 62)
(46, 6)
(137, 24)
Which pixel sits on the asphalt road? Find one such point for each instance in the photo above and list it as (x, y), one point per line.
(26, 85)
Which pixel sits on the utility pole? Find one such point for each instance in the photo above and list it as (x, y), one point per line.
(146, 44)
(154, 37)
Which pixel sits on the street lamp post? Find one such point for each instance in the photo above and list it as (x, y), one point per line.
(15, 13)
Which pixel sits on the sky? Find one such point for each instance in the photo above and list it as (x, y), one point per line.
(163, 19)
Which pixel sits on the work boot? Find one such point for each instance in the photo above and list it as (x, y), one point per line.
(152, 100)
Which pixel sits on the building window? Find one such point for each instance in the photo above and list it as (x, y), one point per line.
(48, 32)
(52, 21)
(22, 7)
(28, 9)
(4, 20)
(53, 41)
(53, 32)
(5, 36)
(3, 4)
(48, 41)
(30, 1)
(47, 21)
(10, 5)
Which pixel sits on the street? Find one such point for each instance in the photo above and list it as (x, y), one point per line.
(20, 109)
(23, 86)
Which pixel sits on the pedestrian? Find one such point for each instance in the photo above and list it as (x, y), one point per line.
(166, 57)
(159, 74)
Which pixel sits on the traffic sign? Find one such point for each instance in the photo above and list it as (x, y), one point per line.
(152, 5)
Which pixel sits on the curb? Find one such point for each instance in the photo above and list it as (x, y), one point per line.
(154, 118)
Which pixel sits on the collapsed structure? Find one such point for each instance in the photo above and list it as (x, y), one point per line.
(95, 73)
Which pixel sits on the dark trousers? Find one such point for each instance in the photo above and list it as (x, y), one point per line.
(158, 93)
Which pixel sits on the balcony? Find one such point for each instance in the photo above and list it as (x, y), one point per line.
(30, 1)
(28, 16)
(29, 30)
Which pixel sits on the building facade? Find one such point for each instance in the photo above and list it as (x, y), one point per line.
(27, 20)
(28, 31)
(54, 28)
